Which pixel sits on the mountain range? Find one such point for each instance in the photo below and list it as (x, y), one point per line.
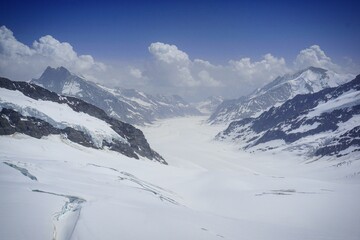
(32, 110)
(128, 105)
(324, 123)
(309, 80)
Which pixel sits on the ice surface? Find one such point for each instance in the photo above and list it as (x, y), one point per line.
(219, 191)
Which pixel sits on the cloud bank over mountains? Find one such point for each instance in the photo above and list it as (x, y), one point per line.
(169, 71)
(22, 62)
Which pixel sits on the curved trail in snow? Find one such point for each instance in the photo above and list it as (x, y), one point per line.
(66, 219)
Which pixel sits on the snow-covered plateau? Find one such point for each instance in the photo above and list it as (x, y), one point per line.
(53, 188)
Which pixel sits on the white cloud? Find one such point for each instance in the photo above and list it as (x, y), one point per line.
(207, 79)
(168, 53)
(171, 71)
(175, 68)
(135, 72)
(10, 47)
(172, 65)
(21, 62)
(259, 71)
(314, 56)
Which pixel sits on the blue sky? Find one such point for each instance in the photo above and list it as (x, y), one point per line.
(214, 31)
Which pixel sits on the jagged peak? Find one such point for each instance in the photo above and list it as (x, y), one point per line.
(60, 69)
(59, 72)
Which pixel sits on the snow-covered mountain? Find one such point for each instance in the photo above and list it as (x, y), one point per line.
(127, 105)
(209, 105)
(326, 123)
(32, 110)
(283, 88)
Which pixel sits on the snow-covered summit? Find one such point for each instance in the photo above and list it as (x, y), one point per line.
(309, 80)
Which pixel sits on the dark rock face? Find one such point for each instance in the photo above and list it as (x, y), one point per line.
(289, 122)
(338, 144)
(127, 105)
(11, 122)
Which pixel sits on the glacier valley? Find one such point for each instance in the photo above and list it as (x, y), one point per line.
(53, 188)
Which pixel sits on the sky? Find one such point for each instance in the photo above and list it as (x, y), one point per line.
(192, 48)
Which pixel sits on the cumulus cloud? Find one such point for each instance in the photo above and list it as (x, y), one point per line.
(172, 64)
(267, 68)
(168, 53)
(10, 47)
(314, 56)
(174, 67)
(22, 62)
(206, 78)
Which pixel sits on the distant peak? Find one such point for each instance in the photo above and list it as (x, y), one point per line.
(55, 73)
(315, 69)
(62, 69)
(58, 69)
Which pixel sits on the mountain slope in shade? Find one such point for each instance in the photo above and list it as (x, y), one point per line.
(283, 88)
(326, 123)
(32, 110)
(128, 105)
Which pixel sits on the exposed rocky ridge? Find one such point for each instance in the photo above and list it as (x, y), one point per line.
(275, 93)
(127, 105)
(322, 123)
(12, 121)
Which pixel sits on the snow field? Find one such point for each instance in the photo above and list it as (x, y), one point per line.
(210, 190)
(59, 115)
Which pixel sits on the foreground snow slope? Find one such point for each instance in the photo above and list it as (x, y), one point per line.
(37, 112)
(55, 189)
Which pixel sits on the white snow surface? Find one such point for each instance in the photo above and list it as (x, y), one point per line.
(59, 115)
(348, 99)
(210, 190)
(71, 88)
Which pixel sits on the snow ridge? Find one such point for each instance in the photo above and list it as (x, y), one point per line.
(310, 80)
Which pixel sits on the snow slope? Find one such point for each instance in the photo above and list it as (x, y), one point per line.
(59, 115)
(32, 110)
(210, 190)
